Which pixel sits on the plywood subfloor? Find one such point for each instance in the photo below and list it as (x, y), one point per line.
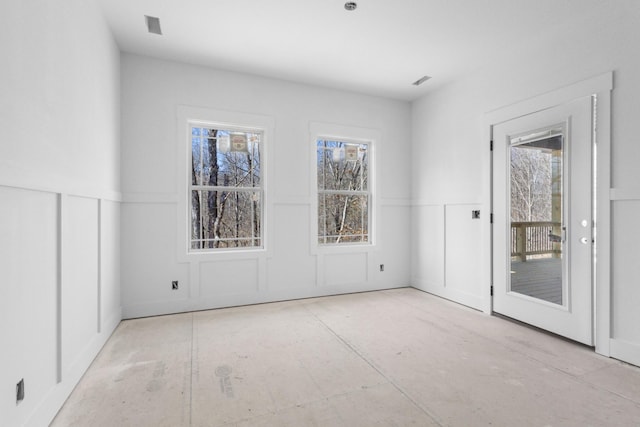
(390, 358)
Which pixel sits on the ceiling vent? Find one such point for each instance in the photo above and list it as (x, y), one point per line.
(421, 80)
(153, 24)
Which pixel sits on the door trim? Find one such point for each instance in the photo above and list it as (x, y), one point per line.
(600, 86)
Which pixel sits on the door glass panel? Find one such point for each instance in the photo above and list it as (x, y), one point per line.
(537, 228)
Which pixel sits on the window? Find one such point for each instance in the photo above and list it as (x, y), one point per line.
(226, 188)
(344, 195)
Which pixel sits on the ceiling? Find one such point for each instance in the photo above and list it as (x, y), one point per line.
(380, 48)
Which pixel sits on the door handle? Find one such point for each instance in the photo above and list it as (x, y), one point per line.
(584, 240)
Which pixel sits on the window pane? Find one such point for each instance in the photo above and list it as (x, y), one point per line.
(225, 158)
(342, 166)
(196, 220)
(225, 219)
(536, 203)
(196, 159)
(342, 219)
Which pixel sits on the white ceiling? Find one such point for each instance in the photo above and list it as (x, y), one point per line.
(379, 49)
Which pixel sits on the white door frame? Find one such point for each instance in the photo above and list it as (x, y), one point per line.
(601, 87)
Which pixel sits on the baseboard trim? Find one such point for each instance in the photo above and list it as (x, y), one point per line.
(625, 351)
(438, 289)
(48, 408)
(160, 308)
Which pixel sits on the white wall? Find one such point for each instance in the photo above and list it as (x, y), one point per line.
(59, 209)
(152, 90)
(450, 149)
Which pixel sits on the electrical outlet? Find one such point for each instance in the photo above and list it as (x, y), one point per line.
(381, 267)
(174, 285)
(20, 391)
(475, 214)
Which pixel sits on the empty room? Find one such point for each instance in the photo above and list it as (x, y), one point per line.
(321, 213)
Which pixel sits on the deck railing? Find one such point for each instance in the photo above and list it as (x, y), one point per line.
(534, 238)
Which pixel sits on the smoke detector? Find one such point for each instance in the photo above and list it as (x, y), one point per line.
(350, 5)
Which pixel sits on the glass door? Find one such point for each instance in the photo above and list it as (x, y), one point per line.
(542, 230)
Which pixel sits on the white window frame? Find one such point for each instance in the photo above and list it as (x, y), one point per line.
(349, 135)
(225, 120)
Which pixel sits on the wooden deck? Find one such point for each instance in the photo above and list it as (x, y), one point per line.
(538, 278)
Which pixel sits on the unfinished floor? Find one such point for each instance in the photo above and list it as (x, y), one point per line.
(390, 358)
